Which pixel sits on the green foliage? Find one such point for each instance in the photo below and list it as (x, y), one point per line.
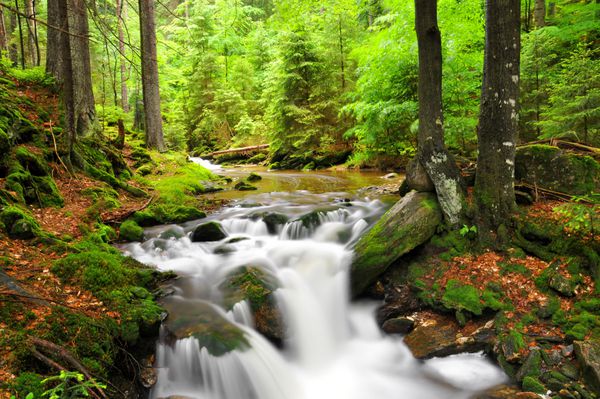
(468, 231)
(462, 297)
(19, 224)
(70, 385)
(582, 219)
(28, 385)
(32, 76)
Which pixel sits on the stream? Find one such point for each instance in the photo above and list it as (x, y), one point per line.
(333, 347)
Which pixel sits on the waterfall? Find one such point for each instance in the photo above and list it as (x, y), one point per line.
(333, 348)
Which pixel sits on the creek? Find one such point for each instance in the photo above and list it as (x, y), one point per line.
(333, 347)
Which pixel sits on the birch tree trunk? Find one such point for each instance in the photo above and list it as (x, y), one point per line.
(431, 151)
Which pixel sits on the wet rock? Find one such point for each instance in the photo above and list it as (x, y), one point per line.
(390, 176)
(398, 325)
(251, 284)
(253, 177)
(411, 222)
(148, 375)
(441, 337)
(398, 301)
(417, 178)
(562, 285)
(556, 169)
(211, 231)
(274, 221)
(531, 367)
(224, 250)
(175, 232)
(213, 332)
(243, 186)
(588, 355)
(504, 392)
(570, 370)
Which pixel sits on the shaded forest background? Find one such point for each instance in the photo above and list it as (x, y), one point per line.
(321, 80)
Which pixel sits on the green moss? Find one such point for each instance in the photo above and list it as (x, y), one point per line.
(19, 224)
(131, 231)
(33, 163)
(27, 383)
(243, 186)
(458, 296)
(107, 234)
(532, 384)
(253, 177)
(249, 284)
(167, 213)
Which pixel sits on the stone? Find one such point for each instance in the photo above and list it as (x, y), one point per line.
(556, 169)
(253, 177)
(398, 301)
(390, 176)
(274, 220)
(562, 285)
(499, 392)
(243, 186)
(211, 231)
(398, 325)
(417, 178)
(411, 222)
(441, 337)
(588, 355)
(531, 367)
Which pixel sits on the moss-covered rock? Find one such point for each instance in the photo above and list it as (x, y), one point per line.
(131, 231)
(244, 186)
(253, 177)
(555, 169)
(167, 213)
(588, 355)
(211, 231)
(31, 162)
(254, 286)
(19, 224)
(410, 223)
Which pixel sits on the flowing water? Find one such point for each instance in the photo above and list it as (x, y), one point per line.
(333, 347)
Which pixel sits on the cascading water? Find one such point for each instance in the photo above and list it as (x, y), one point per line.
(333, 348)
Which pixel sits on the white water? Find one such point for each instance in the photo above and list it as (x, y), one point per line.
(333, 349)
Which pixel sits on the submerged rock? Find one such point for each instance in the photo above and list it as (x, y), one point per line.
(243, 186)
(410, 223)
(211, 231)
(253, 177)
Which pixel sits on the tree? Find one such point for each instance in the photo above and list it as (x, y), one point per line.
(432, 153)
(539, 13)
(53, 51)
(60, 10)
(85, 109)
(498, 119)
(150, 85)
(121, 15)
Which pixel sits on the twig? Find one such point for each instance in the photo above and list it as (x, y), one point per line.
(119, 217)
(56, 149)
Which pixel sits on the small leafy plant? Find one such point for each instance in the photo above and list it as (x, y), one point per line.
(70, 385)
(469, 232)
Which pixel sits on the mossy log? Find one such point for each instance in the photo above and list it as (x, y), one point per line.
(410, 223)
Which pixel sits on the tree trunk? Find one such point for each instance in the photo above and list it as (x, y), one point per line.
(54, 60)
(66, 72)
(150, 88)
(13, 53)
(85, 109)
(539, 13)
(3, 34)
(121, 14)
(498, 119)
(31, 32)
(20, 34)
(432, 153)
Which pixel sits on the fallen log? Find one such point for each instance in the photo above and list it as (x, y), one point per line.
(235, 150)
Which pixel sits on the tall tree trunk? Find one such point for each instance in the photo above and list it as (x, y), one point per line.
(432, 152)
(121, 15)
(3, 34)
(150, 88)
(85, 110)
(66, 73)
(342, 64)
(30, 32)
(498, 119)
(54, 53)
(13, 53)
(20, 34)
(539, 13)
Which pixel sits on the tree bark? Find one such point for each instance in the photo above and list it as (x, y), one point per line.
(150, 84)
(431, 151)
(121, 14)
(3, 35)
(66, 72)
(20, 34)
(31, 39)
(53, 52)
(539, 13)
(498, 119)
(13, 53)
(85, 109)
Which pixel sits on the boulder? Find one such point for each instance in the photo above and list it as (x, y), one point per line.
(211, 231)
(243, 186)
(253, 285)
(417, 178)
(588, 355)
(442, 337)
(252, 177)
(411, 222)
(398, 325)
(555, 169)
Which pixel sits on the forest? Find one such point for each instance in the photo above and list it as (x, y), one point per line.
(129, 125)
